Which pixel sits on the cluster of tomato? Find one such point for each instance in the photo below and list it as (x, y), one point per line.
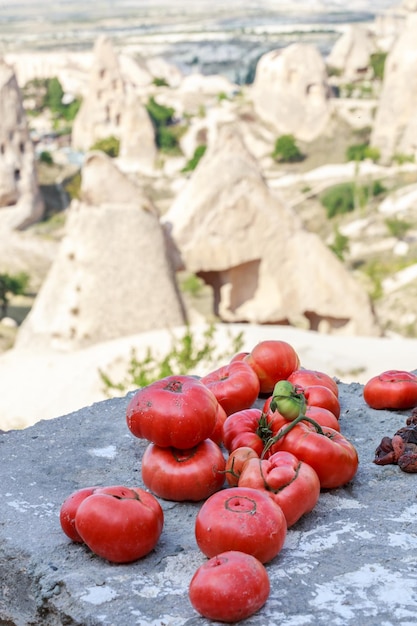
(204, 434)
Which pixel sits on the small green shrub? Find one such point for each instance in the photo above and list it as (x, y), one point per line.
(11, 284)
(69, 111)
(400, 159)
(397, 228)
(167, 133)
(159, 82)
(286, 150)
(340, 245)
(362, 151)
(378, 64)
(378, 188)
(109, 145)
(375, 273)
(73, 186)
(334, 71)
(195, 159)
(167, 140)
(46, 157)
(339, 199)
(53, 100)
(159, 114)
(345, 197)
(185, 355)
(192, 284)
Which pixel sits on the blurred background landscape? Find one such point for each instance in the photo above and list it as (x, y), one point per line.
(203, 113)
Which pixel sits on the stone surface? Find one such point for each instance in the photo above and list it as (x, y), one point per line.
(350, 561)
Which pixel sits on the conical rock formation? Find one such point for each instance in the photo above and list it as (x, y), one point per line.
(20, 200)
(291, 92)
(395, 127)
(111, 277)
(264, 267)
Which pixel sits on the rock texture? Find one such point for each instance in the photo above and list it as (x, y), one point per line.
(291, 92)
(352, 51)
(395, 127)
(111, 277)
(100, 112)
(137, 136)
(263, 265)
(112, 108)
(20, 201)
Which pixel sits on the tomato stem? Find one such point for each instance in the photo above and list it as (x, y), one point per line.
(284, 431)
(230, 471)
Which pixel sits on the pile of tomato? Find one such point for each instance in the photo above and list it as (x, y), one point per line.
(256, 471)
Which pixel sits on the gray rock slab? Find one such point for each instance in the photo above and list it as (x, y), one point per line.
(351, 561)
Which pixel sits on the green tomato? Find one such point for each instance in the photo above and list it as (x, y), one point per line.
(287, 401)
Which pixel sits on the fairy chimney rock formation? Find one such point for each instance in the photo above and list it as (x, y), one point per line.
(291, 91)
(264, 267)
(395, 126)
(20, 200)
(137, 136)
(111, 277)
(352, 52)
(100, 115)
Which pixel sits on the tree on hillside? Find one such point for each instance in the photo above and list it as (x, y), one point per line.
(15, 284)
(286, 150)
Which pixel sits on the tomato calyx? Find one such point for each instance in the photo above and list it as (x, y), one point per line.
(174, 385)
(120, 494)
(240, 504)
(181, 456)
(264, 430)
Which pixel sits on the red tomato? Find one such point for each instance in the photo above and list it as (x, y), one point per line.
(69, 509)
(323, 417)
(393, 389)
(292, 484)
(229, 587)
(120, 524)
(305, 377)
(177, 411)
(241, 519)
(252, 428)
(235, 385)
(180, 475)
(330, 454)
(236, 462)
(217, 434)
(272, 360)
(318, 395)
